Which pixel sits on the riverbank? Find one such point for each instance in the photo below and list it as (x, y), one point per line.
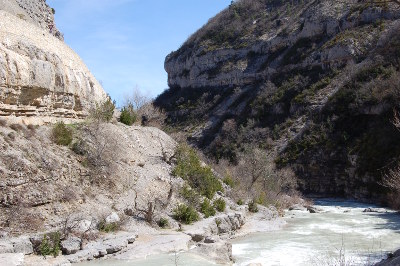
(327, 232)
(209, 239)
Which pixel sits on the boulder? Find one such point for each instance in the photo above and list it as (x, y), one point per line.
(22, 245)
(313, 209)
(12, 259)
(112, 218)
(36, 240)
(220, 252)
(197, 237)
(392, 260)
(297, 207)
(116, 244)
(82, 226)
(131, 239)
(211, 239)
(378, 210)
(71, 245)
(223, 226)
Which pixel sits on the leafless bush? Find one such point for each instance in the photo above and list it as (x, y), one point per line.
(152, 115)
(11, 135)
(3, 122)
(257, 178)
(148, 210)
(392, 179)
(137, 99)
(142, 105)
(71, 224)
(17, 127)
(101, 148)
(30, 131)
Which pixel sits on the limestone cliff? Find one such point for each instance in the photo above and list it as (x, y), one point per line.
(41, 78)
(314, 81)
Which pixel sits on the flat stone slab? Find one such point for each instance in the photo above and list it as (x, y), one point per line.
(12, 259)
(146, 245)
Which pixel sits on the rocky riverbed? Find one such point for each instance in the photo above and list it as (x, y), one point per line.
(208, 239)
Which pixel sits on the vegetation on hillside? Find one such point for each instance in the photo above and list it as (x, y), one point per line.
(200, 177)
(326, 121)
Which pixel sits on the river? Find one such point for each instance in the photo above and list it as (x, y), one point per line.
(340, 234)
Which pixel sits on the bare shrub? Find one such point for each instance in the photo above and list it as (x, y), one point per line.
(17, 127)
(98, 145)
(392, 179)
(71, 224)
(140, 103)
(30, 131)
(152, 116)
(3, 123)
(11, 135)
(137, 98)
(257, 179)
(147, 213)
(31, 127)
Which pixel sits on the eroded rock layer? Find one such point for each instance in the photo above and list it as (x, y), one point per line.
(41, 78)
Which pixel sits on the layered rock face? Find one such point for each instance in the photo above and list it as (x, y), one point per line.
(278, 39)
(41, 78)
(315, 82)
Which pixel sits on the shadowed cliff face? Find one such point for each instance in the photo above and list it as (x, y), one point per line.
(41, 78)
(315, 81)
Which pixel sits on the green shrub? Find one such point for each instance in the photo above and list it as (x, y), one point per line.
(186, 214)
(218, 222)
(62, 135)
(201, 178)
(45, 248)
(163, 223)
(190, 195)
(128, 115)
(79, 147)
(50, 245)
(56, 244)
(220, 204)
(103, 226)
(103, 111)
(228, 180)
(253, 206)
(240, 202)
(261, 199)
(207, 209)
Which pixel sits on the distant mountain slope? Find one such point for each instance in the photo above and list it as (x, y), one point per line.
(317, 81)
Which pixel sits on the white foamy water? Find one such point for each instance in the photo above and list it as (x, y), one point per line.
(342, 231)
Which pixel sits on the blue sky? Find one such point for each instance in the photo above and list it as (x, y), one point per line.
(124, 42)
